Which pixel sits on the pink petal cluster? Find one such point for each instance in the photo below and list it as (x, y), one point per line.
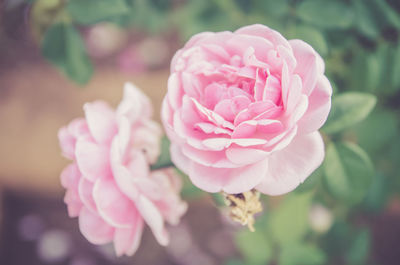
(109, 185)
(243, 109)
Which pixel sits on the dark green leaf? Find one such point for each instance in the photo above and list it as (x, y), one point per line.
(93, 11)
(282, 227)
(347, 109)
(325, 13)
(348, 171)
(254, 246)
(365, 19)
(63, 46)
(301, 254)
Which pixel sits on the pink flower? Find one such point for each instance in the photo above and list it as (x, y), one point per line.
(109, 185)
(243, 109)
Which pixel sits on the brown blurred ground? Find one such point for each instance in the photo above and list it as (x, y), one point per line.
(36, 100)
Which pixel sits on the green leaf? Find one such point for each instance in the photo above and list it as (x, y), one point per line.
(282, 226)
(326, 14)
(396, 68)
(348, 172)
(93, 11)
(347, 109)
(370, 135)
(359, 248)
(63, 46)
(254, 246)
(391, 15)
(365, 20)
(301, 254)
(311, 35)
(189, 191)
(164, 160)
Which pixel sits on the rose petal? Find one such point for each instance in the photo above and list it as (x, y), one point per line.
(94, 228)
(100, 120)
(127, 240)
(292, 165)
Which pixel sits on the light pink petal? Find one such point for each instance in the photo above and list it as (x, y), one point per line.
(100, 120)
(294, 93)
(135, 105)
(224, 109)
(153, 218)
(291, 166)
(244, 156)
(175, 91)
(269, 126)
(85, 190)
(74, 204)
(70, 176)
(319, 105)
(67, 143)
(113, 206)
(127, 240)
(122, 175)
(210, 128)
(263, 31)
(94, 228)
(92, 159)
(239, 103)
(179, 159)
(309, 64)
(236, 180)
(245, 129)
(239, 44)
(207, 158)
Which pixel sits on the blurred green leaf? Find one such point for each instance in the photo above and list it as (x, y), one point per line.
(289, 222)
(164, 160)
(311, 35)
(254, 246)
(347, 109)
(396, 68)
(301, 254)
(273, 7)
(391, 15)
(377, 194)
(370, 133)
(326, 14)
(93, 11)
(348, 171)
(365, 19)
(63, 46)
(359, 248)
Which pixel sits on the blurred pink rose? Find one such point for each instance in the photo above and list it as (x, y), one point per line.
(109, 185)
(243, 109)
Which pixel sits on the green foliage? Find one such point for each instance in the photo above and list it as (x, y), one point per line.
(359, 248)
(289, 222)
(93, 11)
(347, 109)
(301, 254)
(63, 46)
(325, 13)
(348, 172)
(254, 246)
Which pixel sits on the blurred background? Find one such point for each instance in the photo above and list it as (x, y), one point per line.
(56, 55)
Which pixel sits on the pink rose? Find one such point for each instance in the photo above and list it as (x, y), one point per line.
(243, 109)
(109, 185)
